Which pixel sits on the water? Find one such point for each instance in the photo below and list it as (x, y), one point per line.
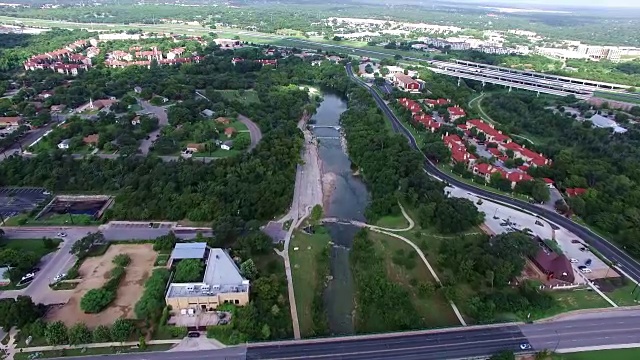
(346, 197)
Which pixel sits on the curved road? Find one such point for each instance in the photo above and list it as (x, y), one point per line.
(625, 262)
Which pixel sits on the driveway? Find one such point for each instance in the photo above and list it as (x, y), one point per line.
(159, 112)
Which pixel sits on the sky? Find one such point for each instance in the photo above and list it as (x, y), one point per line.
(576, 3)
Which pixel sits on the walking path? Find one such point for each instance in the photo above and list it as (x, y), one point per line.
(98, 345)
(485, 117)
(425, 261)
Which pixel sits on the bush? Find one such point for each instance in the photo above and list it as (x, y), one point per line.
(56, 333)
(121, 330)
(188, 270)
(151, 304)
(122, 260)
(102, 334)
(96, 300)
(79, 334)
(116, 275)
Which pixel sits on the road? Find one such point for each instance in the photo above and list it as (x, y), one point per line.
(27, 140)
(254, 131)
(627, 264)
(163, 120)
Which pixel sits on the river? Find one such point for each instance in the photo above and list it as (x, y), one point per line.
(346, 197)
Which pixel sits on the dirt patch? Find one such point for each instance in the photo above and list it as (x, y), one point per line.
(94, 273)
(328, 186)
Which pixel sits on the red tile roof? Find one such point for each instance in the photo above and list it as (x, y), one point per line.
(436, 102)
(515, 176)
(571, 192)
(494, 151)
(456, 111)
(488, 130)
(547, 180)
(10, 120)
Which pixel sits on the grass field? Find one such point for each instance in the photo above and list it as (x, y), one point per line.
(304, 272)
(247, 97)
(52, 220)
(37, 246)
(624, 97)
(434, 308)
(574, 300)
(615, 354)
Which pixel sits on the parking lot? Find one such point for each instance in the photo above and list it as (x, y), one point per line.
(500, 219)
(14, 201)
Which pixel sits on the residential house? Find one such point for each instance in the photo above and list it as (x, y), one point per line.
(407, 83)
(195, 147)
(436, 102)
(267, 62)
(222, 282)
(223, 120)
(491, 134)
(207, 112)
(64, 144)
(515, 177)
(525, 154)
(427, 121)
(227, 145)
(91, 139)
(486, 170)
(57, 108)
(229, 131)
(154, 53)
(7, 121)
(456, 112)
(548, 182)
(410, 105)
(175, 53)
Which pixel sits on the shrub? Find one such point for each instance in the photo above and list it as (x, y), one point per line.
(122, 260)
(96, 300)
(79, 334)
(56, 333)
(121, 330)
(102, 334)
(152, 302)
(116, 275)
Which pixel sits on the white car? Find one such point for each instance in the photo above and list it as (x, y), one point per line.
(586, 270)
(59, 277)
(27, 276)
(61, 234)
(525, 346)
(574, 261)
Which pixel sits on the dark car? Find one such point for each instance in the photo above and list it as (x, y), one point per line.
(193, 334)
(574, 241)
(581, 267)
(588, 262)
(584, 249)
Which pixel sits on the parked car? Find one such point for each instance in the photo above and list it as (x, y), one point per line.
(61, 234)
(525, 346)
(193, 334)
(59, 277)
(585, 270)
(574, 241)
(584, 249)
(588, 262)
(581, 267)
(539, 223)
(574, 261)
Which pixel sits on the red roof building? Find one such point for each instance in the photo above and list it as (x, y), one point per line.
(6, 121)
(488, 130)
(573, 192)
(267, 62)
(525, 154)
(406, 82)
(432, 102)
(494, 151)
(554, 266)
(410, 105)
(456, 112)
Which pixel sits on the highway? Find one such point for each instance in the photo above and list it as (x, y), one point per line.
(625, 262)
(612, 328)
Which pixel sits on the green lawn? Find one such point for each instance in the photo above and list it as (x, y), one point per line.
(625, 97)
(52, 220)
(392, 222)
(434, 308)
(246, 97)
(161, 260)
(92, 351)
(36, 246)
(614, 354)
(65, 285)
(623, 296)
(304, 273)
(574, 300)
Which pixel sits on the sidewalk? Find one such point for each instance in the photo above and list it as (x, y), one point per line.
(98, 345)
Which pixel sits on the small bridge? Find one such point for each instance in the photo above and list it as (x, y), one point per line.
(328, 137)
(334, 127)
(334, 220)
